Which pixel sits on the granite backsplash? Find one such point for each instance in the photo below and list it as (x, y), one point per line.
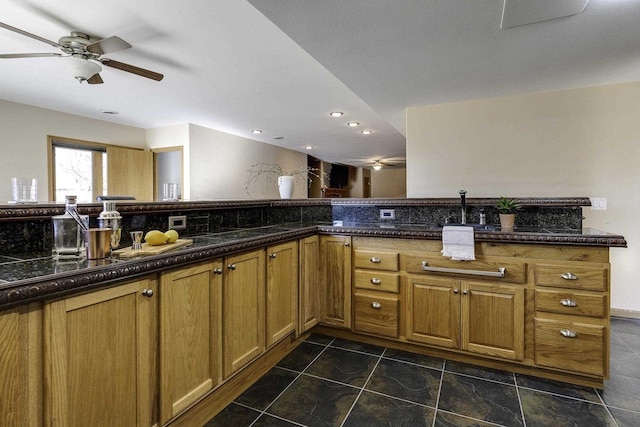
(33, 233)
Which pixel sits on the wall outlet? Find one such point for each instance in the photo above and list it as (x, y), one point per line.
(177, 222)
(598, 203)
(387, 214)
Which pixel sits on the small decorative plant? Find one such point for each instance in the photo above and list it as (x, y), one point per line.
(508, 206)
(271, 171)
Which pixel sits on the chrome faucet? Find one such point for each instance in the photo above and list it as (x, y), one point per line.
(463, 203)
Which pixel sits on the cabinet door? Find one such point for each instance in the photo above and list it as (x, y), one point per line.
(309, 283)
(335, 293)
(433, 313)
(282, 291)
(189, 336)
(493, 319)
(21, 366)
(99, 356)
(243, 318)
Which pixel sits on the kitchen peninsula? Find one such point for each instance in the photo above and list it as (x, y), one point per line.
(261, 274)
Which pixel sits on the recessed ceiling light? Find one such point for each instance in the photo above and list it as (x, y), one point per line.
(309, 147)
(112, 112)
(256, 131)
(366, 132)
(353, 124)
(278, 137)
(336, 113)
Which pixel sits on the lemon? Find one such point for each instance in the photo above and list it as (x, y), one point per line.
(155, 238)
(172, 236)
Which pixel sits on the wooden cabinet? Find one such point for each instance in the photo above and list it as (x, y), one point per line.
(335, 292)
(282, 291)
(100, 357)
(190, 335)
(309, 287)
(21, 366)
(243, 309)
(572, 317)
(493, 319)
(483, 318)
(433, 311)
(376, 308)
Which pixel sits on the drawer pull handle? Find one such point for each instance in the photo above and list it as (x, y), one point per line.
(568, 303)
(376, 305)
(375, 260)
(376, 281)
(569, 276)
(568, 333)
(500, 273)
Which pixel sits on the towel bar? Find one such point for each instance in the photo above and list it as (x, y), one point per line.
(500, 273)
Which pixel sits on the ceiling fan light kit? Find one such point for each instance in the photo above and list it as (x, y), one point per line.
(84, 55)
(82, 69)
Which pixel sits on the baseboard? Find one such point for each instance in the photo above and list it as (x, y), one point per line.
(630, 314)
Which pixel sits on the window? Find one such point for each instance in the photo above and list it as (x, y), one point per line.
(77, 167)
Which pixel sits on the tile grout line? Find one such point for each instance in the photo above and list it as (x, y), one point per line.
(435, 412)
(362, 388)
(515, 382)
(605, 406)
(264, 411)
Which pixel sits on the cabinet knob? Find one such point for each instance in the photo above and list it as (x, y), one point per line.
(147, 293)
(273, 255)
(231, 266)
(568, 303)
(456, 290)
(568, 333)
(375, 260)
(217, 270)
(465, 292)
(376, 305)
(376, 281)
(569, 276)
(347, 244)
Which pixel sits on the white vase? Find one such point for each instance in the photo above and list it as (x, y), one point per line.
(285, 186)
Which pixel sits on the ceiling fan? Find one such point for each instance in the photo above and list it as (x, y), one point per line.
(85, 55)
(378, 164)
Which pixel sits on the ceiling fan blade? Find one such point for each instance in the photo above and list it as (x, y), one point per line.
(108, 45)
(95, 79)
(29, 55)
(132, 69)
(33, 36)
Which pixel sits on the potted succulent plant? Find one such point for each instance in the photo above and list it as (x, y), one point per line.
(507, 209)
(285, 179)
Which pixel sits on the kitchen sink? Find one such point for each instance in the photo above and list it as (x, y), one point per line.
(477, 227)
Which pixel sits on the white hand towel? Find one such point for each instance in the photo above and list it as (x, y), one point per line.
(458, 243)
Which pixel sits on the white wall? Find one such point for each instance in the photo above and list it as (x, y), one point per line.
(389, 182)
(581, 142)
(23, 140)
(220, 164)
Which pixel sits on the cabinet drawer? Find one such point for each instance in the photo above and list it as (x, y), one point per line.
(376, 260)
(571, 276)
(514, 272)
(376, 281)
(571, 302)
(377, 314)
(584, 352)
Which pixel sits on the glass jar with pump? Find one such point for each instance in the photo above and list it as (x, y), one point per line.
(68, 241)
(110, 218)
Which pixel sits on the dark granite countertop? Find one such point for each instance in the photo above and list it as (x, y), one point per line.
(36, 276)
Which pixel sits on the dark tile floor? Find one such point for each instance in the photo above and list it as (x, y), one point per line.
(333, 382)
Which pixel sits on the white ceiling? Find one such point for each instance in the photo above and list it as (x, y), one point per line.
(283, 65)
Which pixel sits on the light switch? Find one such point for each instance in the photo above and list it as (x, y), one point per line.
(598, 203)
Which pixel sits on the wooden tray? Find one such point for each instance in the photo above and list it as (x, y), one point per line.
(147, 249)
